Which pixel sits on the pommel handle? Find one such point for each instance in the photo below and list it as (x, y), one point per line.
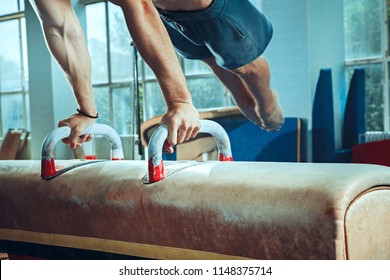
(155, 163)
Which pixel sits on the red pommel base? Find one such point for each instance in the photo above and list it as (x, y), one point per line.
(223, 157)
(156, 173)
(117, 159)
(48, 168)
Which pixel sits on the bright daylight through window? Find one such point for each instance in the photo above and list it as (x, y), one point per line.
(14, 98)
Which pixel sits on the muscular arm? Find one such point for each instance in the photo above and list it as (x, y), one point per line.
(66, 42)
(65, 39)
(152, 40)
(155, 46)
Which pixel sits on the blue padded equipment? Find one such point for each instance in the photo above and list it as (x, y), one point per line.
(354, 115)
(323, 139)
(250, 143)
(323, 119)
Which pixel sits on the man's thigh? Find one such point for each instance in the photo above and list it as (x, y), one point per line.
(233, 31)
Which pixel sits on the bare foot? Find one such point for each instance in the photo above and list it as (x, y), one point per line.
(272, 118)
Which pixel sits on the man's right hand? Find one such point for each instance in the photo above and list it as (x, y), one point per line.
(77, 123)
(182, 120)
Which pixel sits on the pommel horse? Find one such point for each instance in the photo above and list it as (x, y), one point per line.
(222, 209)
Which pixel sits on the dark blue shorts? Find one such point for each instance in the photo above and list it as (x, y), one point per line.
(232, 31)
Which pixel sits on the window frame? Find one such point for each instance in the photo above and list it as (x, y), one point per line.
(110, 84)
(383, 59)
(19, 16)
(143, 78)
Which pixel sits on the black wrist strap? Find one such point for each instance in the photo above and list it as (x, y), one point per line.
(87, 115)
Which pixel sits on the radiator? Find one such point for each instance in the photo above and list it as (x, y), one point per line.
(373, 136)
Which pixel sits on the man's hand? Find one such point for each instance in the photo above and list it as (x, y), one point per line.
(153, 42)
(77, 124)
(183, 123)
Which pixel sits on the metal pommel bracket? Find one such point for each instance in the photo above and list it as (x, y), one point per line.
(48, 167)
(155, 163)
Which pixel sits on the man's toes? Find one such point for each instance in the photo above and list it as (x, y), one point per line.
(275, 120)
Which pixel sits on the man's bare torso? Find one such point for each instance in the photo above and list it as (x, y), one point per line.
(182, 5)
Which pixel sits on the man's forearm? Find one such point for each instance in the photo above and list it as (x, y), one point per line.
(151, 37)
(68, 46)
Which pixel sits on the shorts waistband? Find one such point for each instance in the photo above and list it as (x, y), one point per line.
(211, 12)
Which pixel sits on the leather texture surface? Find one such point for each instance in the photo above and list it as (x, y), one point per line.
(241, 209)
(367, 223)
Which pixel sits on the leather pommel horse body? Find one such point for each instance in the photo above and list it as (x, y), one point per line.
(201, 210)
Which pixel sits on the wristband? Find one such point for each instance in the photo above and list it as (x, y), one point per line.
(178, 101)
(87, 115)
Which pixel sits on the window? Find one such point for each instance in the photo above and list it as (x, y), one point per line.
(14, 98)
(113, 82)
(111, 54)
(206, 90)
(365, 36)
(112, 62)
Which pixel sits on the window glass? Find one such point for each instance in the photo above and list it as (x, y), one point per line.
(117, 109)
(97, 41)
(205, 92)
(362, 22)
(374, 98)
(194, 67)
(148, 72)
(28, 119)
(14, 98)
(208, 93)
(9, 7)
(102, 100)
(12, 111)
(388, 25)
(24, 50)
(123, 115)
(10, 62)
(120, 48)
(154, 101)
(21, 5)
(374, 95)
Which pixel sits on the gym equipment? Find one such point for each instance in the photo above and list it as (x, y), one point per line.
(204, 210)
(48, 168)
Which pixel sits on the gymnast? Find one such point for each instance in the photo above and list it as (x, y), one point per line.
(228, 35)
